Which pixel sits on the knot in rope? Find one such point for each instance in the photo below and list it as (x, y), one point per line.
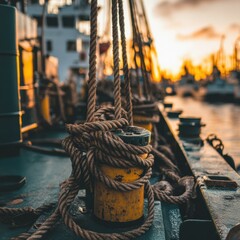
(89, 145)
(94, 143)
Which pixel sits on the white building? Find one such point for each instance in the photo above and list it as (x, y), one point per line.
(66, 36)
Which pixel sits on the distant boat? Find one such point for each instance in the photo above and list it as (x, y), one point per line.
(187, 85)
(234, 77)
(235, 74)
(237, 93)
(217, 89)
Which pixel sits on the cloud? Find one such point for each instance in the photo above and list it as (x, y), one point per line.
(166, 7)
(207, 32)
(234, 27)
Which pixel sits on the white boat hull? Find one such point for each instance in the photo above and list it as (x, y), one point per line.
(216, 91)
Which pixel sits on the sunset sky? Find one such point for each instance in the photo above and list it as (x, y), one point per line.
(188, 28)
(192, 28)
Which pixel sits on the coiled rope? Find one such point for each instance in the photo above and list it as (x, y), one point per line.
(93, 142)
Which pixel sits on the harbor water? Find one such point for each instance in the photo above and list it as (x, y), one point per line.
(222, 119)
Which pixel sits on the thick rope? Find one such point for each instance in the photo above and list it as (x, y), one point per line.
(92, 83)
(9, 214)
(128, 92)
(117, 85)
(102, 146)
(106, 142)
(92, 143)
(186, 182)
(12, 212)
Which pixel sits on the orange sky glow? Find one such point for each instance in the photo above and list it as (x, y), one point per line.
(192, 29)
(187, 29)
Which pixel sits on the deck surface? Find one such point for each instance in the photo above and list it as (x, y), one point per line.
(44, 173)
(223, 204)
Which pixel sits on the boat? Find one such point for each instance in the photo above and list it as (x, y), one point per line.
(216, 88)
(234, 76)
(187, 85)
(95, 176)
(237, 93)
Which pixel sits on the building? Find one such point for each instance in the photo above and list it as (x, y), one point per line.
(66, 36)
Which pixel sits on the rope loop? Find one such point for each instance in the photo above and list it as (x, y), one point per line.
(104, 147)
(94, 143)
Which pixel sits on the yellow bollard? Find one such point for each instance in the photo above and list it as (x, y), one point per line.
(142, 121)
(122, 207)
(45, 108)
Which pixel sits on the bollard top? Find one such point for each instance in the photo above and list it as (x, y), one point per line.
(134, 135)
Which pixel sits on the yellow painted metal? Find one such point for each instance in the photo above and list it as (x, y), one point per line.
(45, 108)
(142, 121)
(29, 127)
(147, 126)
(27, 58)
(114, 206)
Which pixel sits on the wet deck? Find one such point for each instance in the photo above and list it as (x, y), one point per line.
(44, 173)
(223, 203)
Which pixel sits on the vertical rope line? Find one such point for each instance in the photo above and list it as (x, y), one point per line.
(137, 44)
(140, 49)
(128, 92)
(92, 82)
(139, 87)
(145, 20)
(139, 41)
(117, 86)
(134, 34)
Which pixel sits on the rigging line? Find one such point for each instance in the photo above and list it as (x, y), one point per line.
(147, 86)
(152, 49)
(143, 53)
(117, 85)
(92, 82)
(149, 34)
(139, 52)
(133, 47)
(128, 93)
(136, 48)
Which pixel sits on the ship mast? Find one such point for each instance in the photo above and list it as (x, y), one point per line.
(142, 26)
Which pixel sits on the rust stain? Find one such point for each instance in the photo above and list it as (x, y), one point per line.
(118, 178)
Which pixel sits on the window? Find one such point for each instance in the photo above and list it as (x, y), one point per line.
(71, 46)
(52, 21)
(84, 17)
(83, 56)
(68, 22)
(39, 20)
(84, 27)
(49, 45)
(34, 1)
